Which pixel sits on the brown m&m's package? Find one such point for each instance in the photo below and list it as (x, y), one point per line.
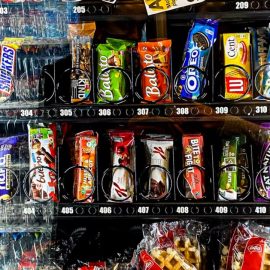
(155, 56)
(85, 155)
(81, 37)
(193, 160)
(123, 155)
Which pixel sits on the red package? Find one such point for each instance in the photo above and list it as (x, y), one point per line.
(94, 266)
(154, 82)
(146, 262)
(193, 155)
(122, 188)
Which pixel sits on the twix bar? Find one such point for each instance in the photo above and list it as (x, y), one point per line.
(154, 56)
(193, 175)
(85, 155)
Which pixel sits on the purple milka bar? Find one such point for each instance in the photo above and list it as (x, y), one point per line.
(263, 179)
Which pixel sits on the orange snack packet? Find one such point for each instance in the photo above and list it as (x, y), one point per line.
(85, 155)
(154, 83)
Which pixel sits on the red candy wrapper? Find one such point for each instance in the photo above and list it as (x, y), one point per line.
(85, 155)
(94, 266)
(193, 155)
(42, 152)
(123, 154)
(154, 83)
(146, 262)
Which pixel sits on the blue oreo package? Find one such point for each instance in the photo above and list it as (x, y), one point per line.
(201, 38)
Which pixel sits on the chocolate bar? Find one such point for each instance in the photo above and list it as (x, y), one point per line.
(122, 187)
(85, 155)
(158, 147)
(42, 151)
(81, 36)
(193, 155)
(155, 85)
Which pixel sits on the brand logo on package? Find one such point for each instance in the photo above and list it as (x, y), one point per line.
(148, 265)
(158, 6)
(231, 47)
(255, 248)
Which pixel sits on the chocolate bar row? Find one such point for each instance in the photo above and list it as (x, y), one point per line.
(54, 163)
(121, 71)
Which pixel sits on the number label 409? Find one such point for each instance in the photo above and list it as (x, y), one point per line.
(221, 210)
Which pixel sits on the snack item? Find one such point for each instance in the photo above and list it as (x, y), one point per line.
(228, 176)
(6, 151)
(236, 48)
(201, 39)
(263, 179)
(158, 147)
(81, 36)
(42, 152)
(112, 84)
(170, 259)
(193, 155)
(155, 86)
(85, 155)
(7, 71)
(146, 262)
(123, 154)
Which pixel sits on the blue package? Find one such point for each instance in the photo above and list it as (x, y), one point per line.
(6, 151)
(201, 38)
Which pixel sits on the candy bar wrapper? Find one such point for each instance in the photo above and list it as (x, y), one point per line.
(263, 180)
(85, 155)
(228, 176)
(158, 149)
(242, 160)
(112, 85)
(236, 48)
(123, 154)
(42, 152)
(154, 83)
(7, 146)
(81, 36)
(193, 155)
(7, 71)
(201, 39)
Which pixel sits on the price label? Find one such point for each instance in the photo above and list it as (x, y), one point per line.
(105, 210)
(260, 210)
(221, 210)
(182, 210)
(67, 210)
(182, 111)
(240, 5)
(143, 210)
(66, 112)
(104, 112)
(29, 211)
(3, 10)
(261, 109)
(27, 113)
(142, 111)
(221, 110)
(79, 10)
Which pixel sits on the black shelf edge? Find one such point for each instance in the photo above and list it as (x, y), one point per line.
(224, 210)
(219, 111)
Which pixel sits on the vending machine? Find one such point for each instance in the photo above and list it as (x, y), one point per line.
(134, 135)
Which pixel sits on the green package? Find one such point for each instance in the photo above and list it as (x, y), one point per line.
(228, 176)
(112, 83)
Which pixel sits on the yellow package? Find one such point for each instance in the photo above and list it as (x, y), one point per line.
(236, 48)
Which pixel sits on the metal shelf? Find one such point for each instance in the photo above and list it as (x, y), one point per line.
(165, 210)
